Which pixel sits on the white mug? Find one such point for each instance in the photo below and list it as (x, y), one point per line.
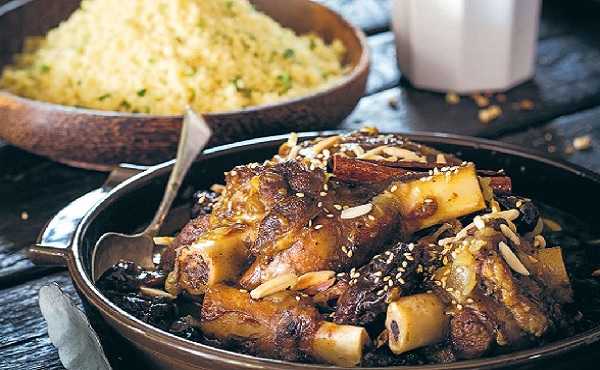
(466, 46)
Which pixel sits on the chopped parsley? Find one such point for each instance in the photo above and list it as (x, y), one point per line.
(141, 92)
(45, 68)
(103, 97)
(286, 82)
(125, 104)
(288, 53)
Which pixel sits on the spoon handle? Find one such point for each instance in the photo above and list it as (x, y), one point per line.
(195, 133)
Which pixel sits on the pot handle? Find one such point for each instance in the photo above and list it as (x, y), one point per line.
(54, 242)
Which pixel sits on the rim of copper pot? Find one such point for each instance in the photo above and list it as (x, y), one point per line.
(208, 353)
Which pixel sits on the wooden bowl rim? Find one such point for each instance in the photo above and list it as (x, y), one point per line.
(359, 69)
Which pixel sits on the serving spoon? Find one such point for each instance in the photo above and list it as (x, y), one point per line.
(139, 248)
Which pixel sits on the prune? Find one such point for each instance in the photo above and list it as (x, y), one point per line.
(529, 213)
(127, 277)
(203, 202)
(159, 312)
(183, 329)
(388, 275)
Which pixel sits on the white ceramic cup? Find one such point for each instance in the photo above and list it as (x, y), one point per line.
(466, 45)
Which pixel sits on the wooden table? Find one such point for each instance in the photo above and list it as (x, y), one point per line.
(566, 96)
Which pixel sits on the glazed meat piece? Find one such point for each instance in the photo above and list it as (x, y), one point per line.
(282, 325)
(386, 277)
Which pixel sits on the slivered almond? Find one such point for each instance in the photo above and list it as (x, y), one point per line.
(357, 211)
(370, 154)
(292, 140)
(510, 234)
(163, 240)
(313, 278)
(511, 215)
(511, 259)
(275, 285)
(402, 153)
(539, 241)
(326, 143)
(217, 188)
(440, 158)
(156, 293)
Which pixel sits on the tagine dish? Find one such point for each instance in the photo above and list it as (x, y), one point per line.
(357, 249)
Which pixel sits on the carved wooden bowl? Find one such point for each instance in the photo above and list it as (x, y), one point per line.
(101, 139)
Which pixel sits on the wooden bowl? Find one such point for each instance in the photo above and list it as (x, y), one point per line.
(100, 139)
(69, 238)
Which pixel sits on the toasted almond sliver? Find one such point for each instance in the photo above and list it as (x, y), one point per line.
(275, 285)
(156, 293)
(510, 234)
(313, 278)
(440, 158)
(292, 140)
(511, 215)
(163, 240)
(402, 153)
(217, 188)
(357, 211)
(373, 153)
(326, 143)
(511, 259)
(539, 241)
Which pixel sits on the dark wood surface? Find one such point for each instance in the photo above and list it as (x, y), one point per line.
(565, 92)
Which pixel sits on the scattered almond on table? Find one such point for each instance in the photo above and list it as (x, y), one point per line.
(452, 98)
(582, 142)
(480, 100)
(489, 114)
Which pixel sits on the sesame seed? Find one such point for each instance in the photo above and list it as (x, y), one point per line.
(300, 195)
(341, 274)
(317, 227)
(380, 292)
(378, 273)
(459, 306)
(325, 187)
(298, 298)
(391, 283)
(376, 280)
(370, 217)
(401, 281)
(385, 287)
(350, 254)
(243, 291)
(394, 188)
(329, 215)
(323, 194)
(337, 206)
(404, 264)
(386, 278)
(320, 204)
(344, 249)
(411, 246)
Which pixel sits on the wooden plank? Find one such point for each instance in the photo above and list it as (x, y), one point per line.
(567, 80)
(38, 189)
(555, 139)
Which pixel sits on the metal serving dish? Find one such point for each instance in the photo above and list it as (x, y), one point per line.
(69, 238)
